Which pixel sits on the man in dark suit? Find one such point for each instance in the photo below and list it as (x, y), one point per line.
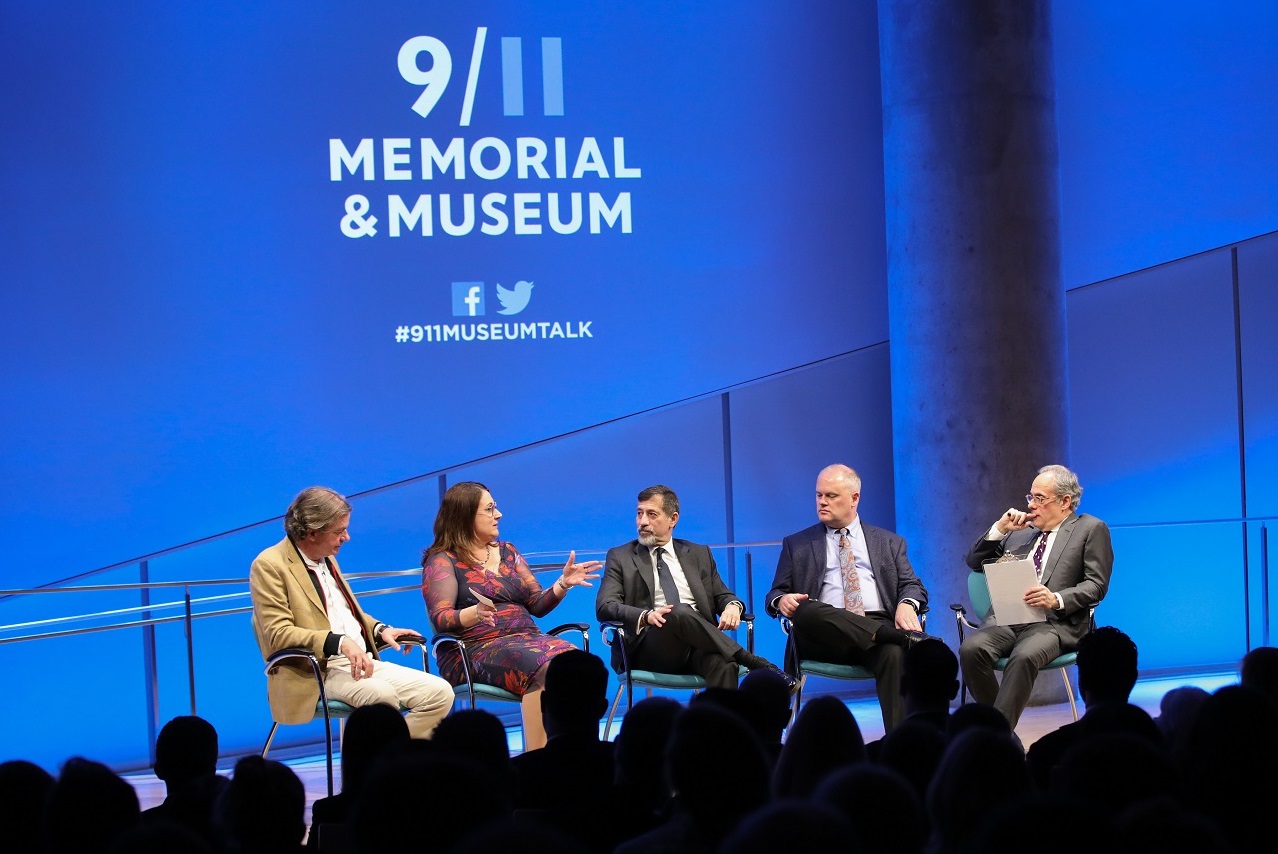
(1074, 559)
(849, 590)
(667, 593)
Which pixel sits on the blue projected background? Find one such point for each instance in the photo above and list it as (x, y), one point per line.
(210, 306)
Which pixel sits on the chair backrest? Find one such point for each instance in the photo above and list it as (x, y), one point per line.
(978, 593)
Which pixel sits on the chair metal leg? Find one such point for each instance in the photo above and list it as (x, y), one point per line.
(613, 711)
(266, 747)
(798, 699)
(1069, 692)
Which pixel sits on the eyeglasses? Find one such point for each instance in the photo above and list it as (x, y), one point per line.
(1031, 500)
(491, 510)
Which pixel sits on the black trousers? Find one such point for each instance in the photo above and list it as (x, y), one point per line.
(688, 643)
(837, 635)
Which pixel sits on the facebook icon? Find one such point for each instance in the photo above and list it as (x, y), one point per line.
(468, 299)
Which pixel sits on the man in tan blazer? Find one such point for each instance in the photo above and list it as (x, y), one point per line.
(301, 600)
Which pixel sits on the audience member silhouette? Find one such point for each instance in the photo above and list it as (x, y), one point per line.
(88, 808)
(1107, 670)
(880, 806)
(982, 770)
(1236, 730)
(979, 716)
(642, 794)
(718, 776)
(186, 760)
(914, 750)
(1107, 772)
(929, 681)
(263, 810)
(370, 733)
(574, 759)
(768, 697)
(1177, 712)
(799, 825)
(825, 736)
(1260, 671)
(24, 786)
(424, 799)
(475, 735)
(1167, 826)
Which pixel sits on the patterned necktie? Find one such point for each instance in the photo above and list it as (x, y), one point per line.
(1038, 555)
(666, 578)
(851, 581)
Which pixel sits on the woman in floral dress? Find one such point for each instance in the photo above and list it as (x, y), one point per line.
(506, 647)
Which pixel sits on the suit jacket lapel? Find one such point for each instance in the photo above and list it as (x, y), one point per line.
(818, 562)
(643, 567)
(303, 575)
(874, 549)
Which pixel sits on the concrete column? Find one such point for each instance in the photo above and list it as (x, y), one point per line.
(977, 311)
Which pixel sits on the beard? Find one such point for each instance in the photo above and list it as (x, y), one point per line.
(647, 540)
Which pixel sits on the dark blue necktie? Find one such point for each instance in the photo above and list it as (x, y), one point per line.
(1038, 555)
(667, 579)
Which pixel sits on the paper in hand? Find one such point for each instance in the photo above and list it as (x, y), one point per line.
(481, 597)
(1008, 582)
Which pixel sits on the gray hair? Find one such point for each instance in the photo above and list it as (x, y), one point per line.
(313, 509)
(1066, 484)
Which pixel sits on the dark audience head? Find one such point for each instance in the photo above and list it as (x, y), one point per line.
(371, 731)
(929, 675)
(978, 716)
(1236, 729)
(575, 695)
(982, 770)
(476, 735)
(882, 808)
(1260, 671)
(645, 731)
(703, 737)
(1106, 666)
(88, 808)
(825, 736)
(160, 837)
(1177, 712)
(264, 807)
(454, 792)
(788, 825)
(185, 749)
(1168, 826)
(24, 786)
(913, 750)
(770, 699)
(1107, 772)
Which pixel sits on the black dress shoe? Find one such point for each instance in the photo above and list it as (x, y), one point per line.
(791, 683)
(911, 638)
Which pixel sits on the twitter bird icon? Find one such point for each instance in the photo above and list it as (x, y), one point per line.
(514, 300)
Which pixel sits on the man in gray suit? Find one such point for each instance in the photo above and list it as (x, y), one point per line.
(1074, 559)
(849, 590)
(668, 592)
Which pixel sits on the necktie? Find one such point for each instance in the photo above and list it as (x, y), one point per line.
(667, 579)
(851, 581)
(1038, 555)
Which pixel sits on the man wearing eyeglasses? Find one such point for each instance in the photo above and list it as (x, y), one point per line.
(1073, 558)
